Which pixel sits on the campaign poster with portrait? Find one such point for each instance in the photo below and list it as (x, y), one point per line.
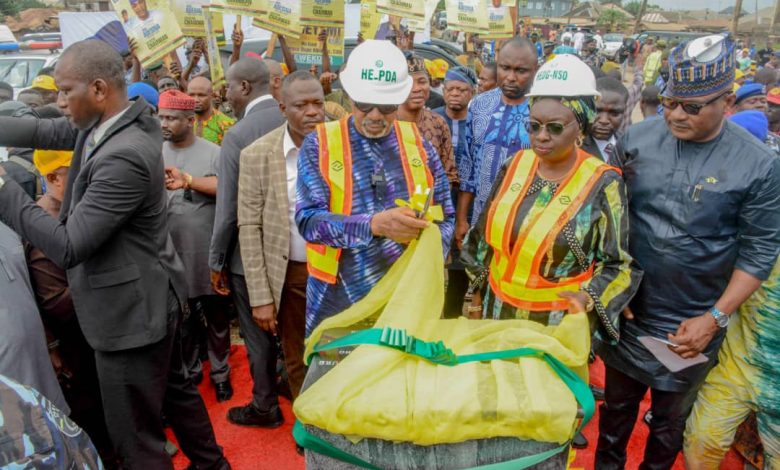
(242, 7)
(469, 16)
(369, 19)
(322, 13)
(283, 17)
(411, 9)
(189, 15)
(499, 24)
(153, 27)
(419, 26)
(215, 61)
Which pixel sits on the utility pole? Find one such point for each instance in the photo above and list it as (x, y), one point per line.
(735, 20)
(774, 17)
(641, 13)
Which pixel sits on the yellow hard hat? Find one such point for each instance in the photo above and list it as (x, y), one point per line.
(46, 161)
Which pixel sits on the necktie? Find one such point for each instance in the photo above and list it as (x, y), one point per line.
(89, 146)
(609, 153)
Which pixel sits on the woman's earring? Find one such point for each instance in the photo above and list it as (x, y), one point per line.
(580, 140)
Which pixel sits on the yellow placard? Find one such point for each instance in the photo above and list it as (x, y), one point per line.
(308, 50)
(322, 12)
(499, 24)
(153, 27)
(420, 26)
(283, 18)
(215, 61)
(369, 19)
(243, 7)
(469, 16)
(189, 16)
(501, 3)
(411, 9)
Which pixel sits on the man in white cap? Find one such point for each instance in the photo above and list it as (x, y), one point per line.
(703, 198)
(350, 174)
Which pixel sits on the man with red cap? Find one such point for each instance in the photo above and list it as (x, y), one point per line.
(191, 180)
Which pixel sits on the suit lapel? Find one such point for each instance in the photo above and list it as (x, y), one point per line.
(73, 175)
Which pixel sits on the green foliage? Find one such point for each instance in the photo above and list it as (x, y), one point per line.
(616, 2)
(634, 5)
(13, 7)
(612, 19)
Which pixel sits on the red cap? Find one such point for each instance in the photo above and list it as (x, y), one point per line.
(175, 99)
(774, 95)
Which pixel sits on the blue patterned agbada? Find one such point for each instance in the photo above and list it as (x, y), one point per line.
(365, 258)
(494, 132)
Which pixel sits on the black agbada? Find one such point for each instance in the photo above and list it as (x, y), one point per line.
(697, 211)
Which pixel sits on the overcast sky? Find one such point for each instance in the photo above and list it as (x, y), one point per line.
(716, 5)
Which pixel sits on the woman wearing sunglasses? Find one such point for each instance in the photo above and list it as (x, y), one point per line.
(553, 237)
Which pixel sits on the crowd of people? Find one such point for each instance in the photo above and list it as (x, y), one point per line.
(141, 208)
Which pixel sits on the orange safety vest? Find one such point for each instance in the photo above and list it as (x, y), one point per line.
(336, 169)
(515, 271)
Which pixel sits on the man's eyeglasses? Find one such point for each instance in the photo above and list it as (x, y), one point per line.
(690, 108)
(383, 108)
(553, 128)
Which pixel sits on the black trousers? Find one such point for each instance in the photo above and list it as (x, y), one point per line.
(618, 415)
(260, 347)
(137, 385)
(209, 314)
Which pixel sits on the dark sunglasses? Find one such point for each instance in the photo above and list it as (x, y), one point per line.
(383, 108)
(553, 128)
(690, 108)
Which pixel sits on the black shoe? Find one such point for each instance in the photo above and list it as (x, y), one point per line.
(598, 393)
(249, 415)
(579, 441)
(299, 449)
(224, 391)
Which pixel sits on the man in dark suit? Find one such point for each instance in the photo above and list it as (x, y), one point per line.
(112, 236)
(603, 140)
(249, 96)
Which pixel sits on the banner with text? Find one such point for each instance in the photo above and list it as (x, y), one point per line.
(307, 48)
(469, 16)
(153, 27)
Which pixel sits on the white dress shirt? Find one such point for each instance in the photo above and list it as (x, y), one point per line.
(297, 243)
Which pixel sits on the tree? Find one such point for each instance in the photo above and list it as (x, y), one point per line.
(9, 7)
(615, 2)
(634, 5)
(612, 19)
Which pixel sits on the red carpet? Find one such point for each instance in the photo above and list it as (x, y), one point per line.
(259, 449)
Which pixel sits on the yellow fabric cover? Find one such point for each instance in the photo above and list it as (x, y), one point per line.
(382, 393)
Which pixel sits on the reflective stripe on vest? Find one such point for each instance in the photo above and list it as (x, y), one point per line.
(515, 270)
(336, 169)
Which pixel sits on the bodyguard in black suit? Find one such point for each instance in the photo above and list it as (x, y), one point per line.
(249, 96)
(112, 237)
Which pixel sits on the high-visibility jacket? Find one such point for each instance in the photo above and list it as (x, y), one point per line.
(515, 270)
(336, 168)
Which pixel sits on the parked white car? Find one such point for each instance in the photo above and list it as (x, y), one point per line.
(612, 43)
